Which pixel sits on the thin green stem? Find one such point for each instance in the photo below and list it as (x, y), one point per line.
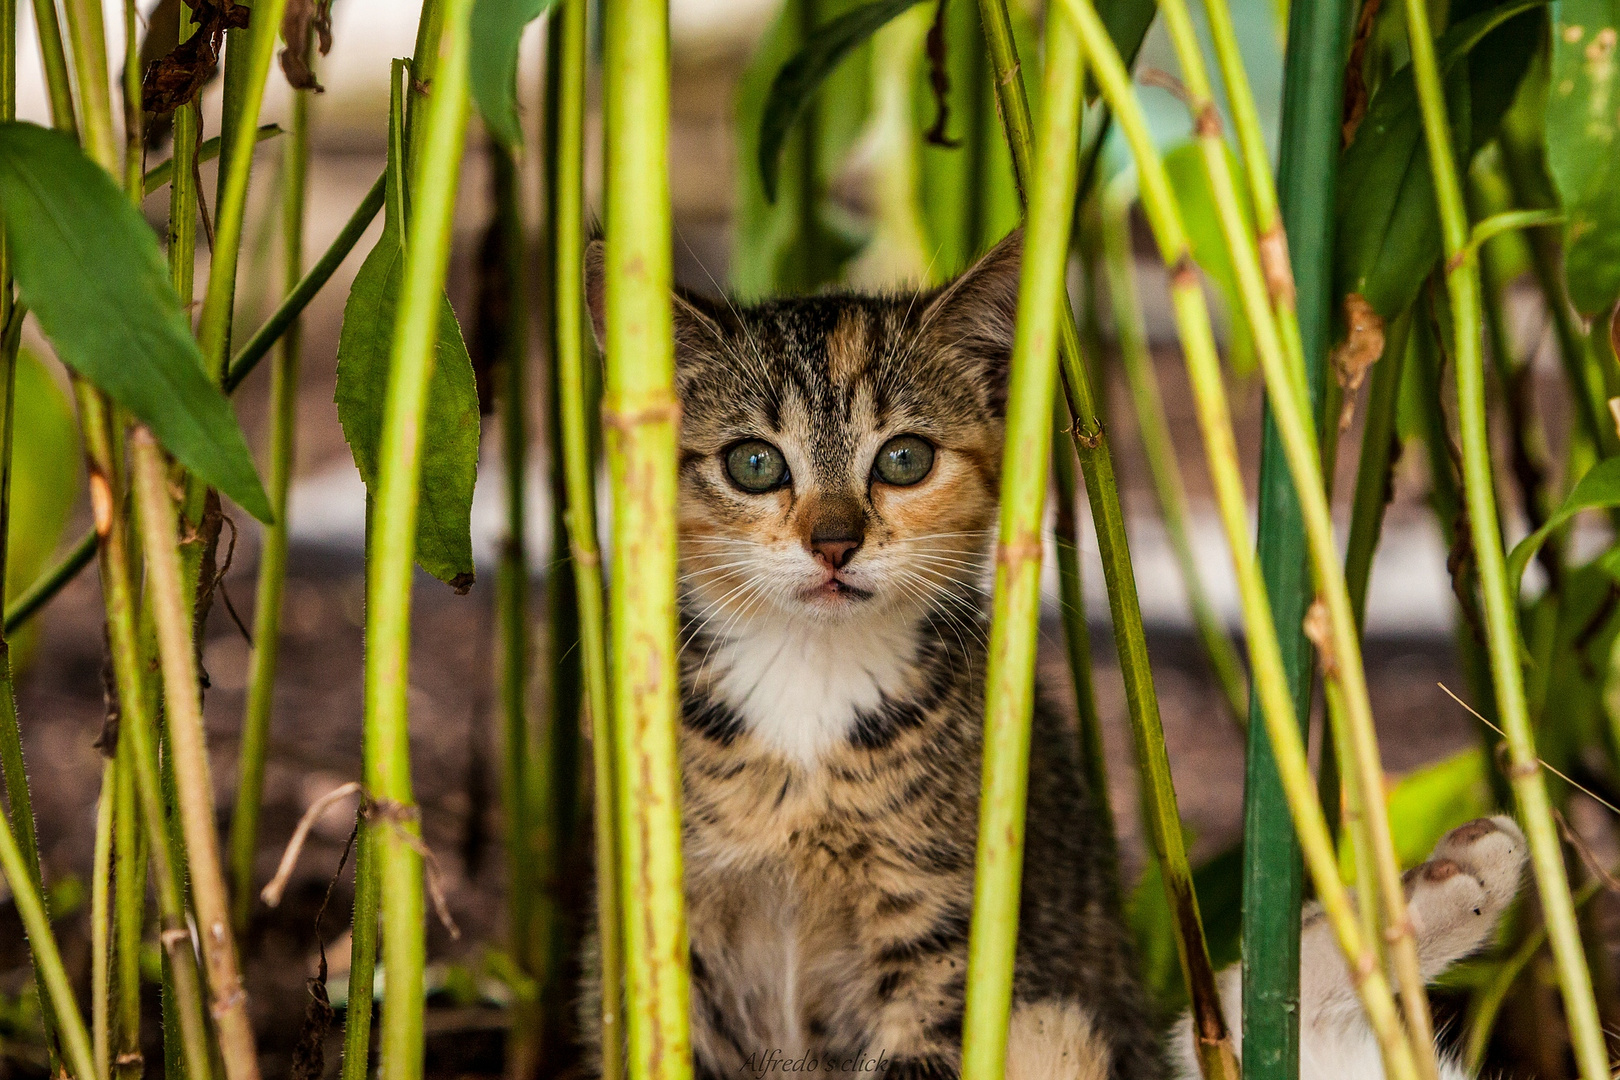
(575, 408)
(639, 415)
(187, 749)
(1373, 475)
(163, 172)
(1154, 431)
(393, 551)
(273, 554)
(58, 83)
(129, 912)
(50, 582)
(134, 123)
(88, 33)
(1108, 522)
(1500, 602)
(1015, 620)
(101, 924)
(1270, 683)
(363, 954)
(236, 166)
(135, 727)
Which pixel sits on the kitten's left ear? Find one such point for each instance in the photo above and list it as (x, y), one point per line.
(977, 313)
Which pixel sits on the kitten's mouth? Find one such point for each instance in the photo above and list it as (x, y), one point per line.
(834, 590)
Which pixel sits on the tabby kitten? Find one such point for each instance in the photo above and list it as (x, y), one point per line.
(839, 466)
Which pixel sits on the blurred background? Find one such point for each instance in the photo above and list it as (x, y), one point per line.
(880, 187)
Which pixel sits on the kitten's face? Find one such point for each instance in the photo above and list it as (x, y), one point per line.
(840, 455)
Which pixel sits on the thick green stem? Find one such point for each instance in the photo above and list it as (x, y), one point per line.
(575, 408)
(135, 708)
(1108, 521)
(1270, 684)
(186, 747)
(639, 415)
(1015, 621)
(1500, 602)
(273, 554)
(239, 137)
(1154, 430)
(393, 548)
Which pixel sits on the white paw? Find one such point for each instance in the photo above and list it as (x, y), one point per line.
(1455, 898)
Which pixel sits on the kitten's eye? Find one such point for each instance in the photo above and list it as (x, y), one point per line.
(904, 460)
(756, 466)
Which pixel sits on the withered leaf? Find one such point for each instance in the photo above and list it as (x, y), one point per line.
(179, 77)
(302, 17)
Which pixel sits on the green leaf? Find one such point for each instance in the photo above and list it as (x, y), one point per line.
(497, 28)
(450, 437)
(45, 474)
(1426, 804)
(1598, 489)
(89, 268)
(1189, 178)
(1583, 152)
(1388, 224)
(799, 79)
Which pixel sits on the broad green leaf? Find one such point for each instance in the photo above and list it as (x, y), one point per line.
(799, 79)
(1388, 224)
(89, 268)
(1598, 489)
(1426, 804)
(1583, 152)
(1190, 179)
(450, 435)
(45, 473)
(497, 28)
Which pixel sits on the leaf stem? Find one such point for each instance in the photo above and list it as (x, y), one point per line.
(1501, 611)
(393, 545)
(1014, 627)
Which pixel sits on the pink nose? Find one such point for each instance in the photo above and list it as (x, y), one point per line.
(835, 551)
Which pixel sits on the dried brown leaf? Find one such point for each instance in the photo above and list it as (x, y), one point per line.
(302, 18)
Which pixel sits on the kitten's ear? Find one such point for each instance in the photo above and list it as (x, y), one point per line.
(977, 313)
(697, 318)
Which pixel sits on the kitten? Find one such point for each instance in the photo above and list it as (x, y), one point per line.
(839, 467)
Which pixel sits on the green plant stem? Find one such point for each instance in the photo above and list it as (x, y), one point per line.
(129, 912)
(363, 955)
(135, 726)
(388, 763)
(163, 172)
(88, 34)
(1270, 684)
(51, 582)
(639, 415)
(273, 553)
(298, 297)
(187, 749)
(1373, 474)
(236, 166)
(58, 83)
(1338, 641)
(1108, 522)
(1500, 602)
(1154, 431)
(575, 409)
(101, 924)
(1015, 621)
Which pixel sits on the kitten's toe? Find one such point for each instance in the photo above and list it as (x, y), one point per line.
(1455, 898)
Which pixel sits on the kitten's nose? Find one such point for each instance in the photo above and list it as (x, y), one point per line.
(835, 551)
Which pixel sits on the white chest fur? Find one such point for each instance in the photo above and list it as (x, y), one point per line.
(799, 684)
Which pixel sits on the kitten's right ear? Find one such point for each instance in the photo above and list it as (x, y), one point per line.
(697, 318)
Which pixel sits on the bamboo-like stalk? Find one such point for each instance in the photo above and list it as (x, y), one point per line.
(1157, 447)
(187, 749)
(135, 727)
(639, 414)
(393, 546)
(273, 553)
(1340, 644)
(1108, 521)
(101, 924)
(566, 151)
(1015, 621)
(1500, 602)
(1273, 872)
(236, 166)
(1270, 684)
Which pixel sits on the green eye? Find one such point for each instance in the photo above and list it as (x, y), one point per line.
(904, 460)
(756, 466)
